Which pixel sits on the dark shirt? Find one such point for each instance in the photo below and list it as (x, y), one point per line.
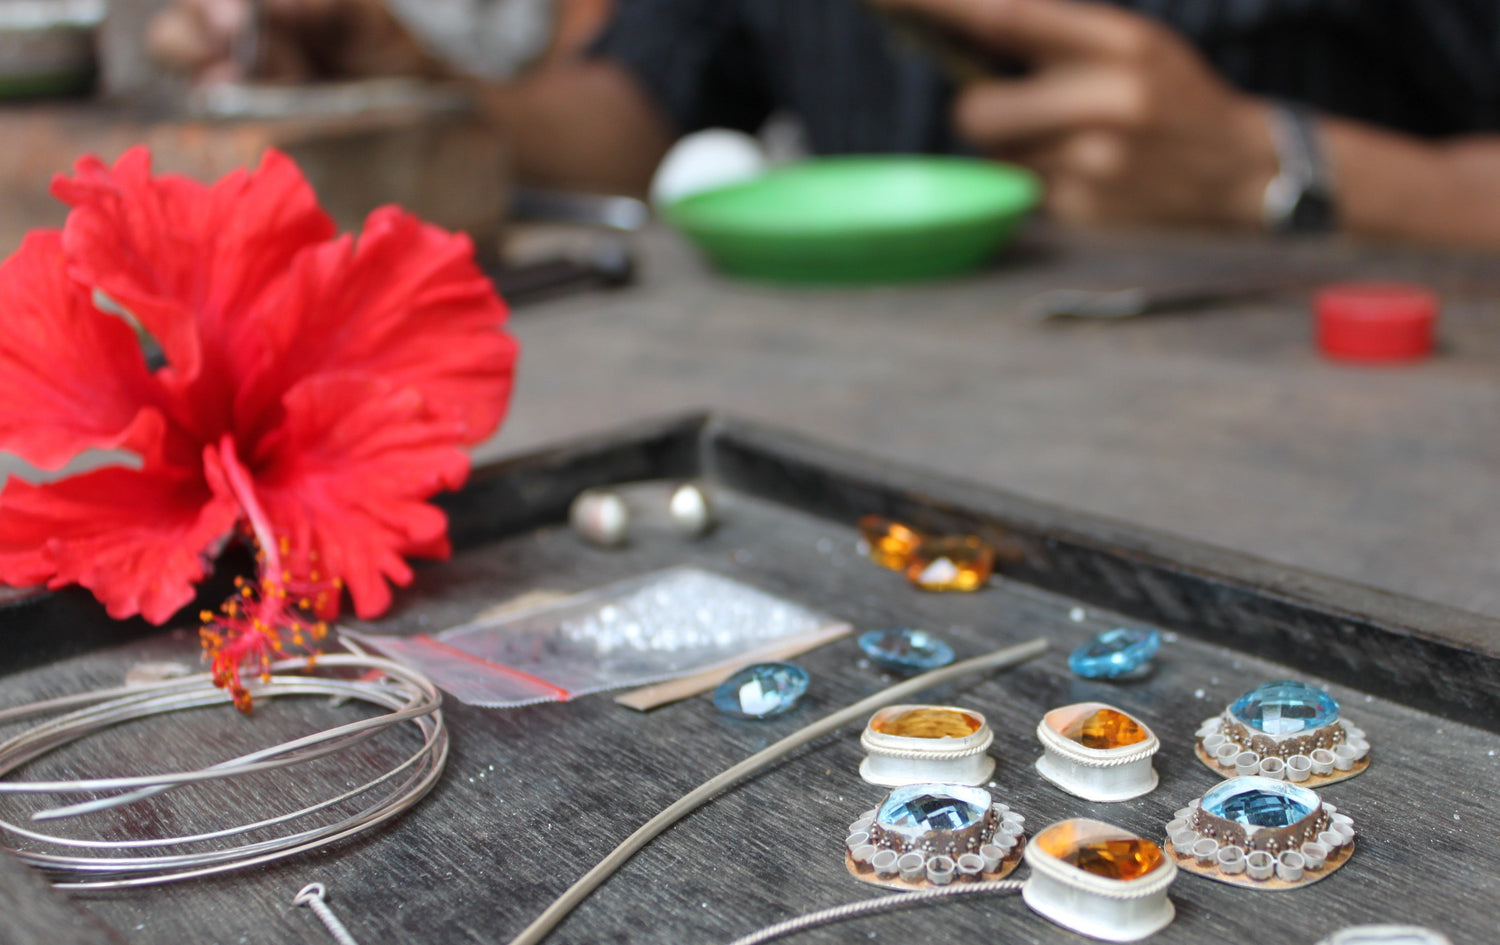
(1428, 67)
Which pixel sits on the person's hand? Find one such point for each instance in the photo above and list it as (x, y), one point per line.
(1124, 120)
(290, 40)
(212, 40)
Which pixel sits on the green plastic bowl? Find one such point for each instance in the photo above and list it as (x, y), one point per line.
(860, 219)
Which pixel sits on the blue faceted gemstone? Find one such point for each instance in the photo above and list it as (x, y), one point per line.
(1114, 653)
(1260, 802)
(1285, 707)
(761, 690)
(922, 808)
(905, 650)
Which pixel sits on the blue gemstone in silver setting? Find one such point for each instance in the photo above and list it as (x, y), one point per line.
(762, 690)
(1260, 802)
(918, 809)
(1285, 707)
(1115, 654)
(905, 650)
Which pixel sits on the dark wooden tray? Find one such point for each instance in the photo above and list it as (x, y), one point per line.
(534, 796)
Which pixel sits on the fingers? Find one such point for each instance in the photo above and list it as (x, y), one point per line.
(190, 36)
(1099, 156)
(225, 19)
(1074, 203)
(291, 39)
(1083, 172)
(1101, 176)
(1000, 112)
(1043, 30)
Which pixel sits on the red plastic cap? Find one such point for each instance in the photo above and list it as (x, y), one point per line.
(1375, 321)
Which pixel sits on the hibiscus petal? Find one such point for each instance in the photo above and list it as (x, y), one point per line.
(345, 478)
(138, 539)
(406, 304)
(71, 377)
(187, 260)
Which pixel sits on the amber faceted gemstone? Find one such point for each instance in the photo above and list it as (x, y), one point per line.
(891, 544)
(1098, 849)
(952, 563)
(927, 722)
(1105, 728)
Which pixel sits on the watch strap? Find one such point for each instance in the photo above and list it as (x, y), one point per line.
(1299, 199)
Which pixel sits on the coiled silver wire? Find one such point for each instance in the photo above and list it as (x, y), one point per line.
(74, 863)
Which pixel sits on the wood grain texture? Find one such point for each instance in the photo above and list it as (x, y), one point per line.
(31, 913)
(533, 796)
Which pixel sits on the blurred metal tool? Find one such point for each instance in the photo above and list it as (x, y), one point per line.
(556, 206)
(606, 263)
(1129, 302)
(248, 100)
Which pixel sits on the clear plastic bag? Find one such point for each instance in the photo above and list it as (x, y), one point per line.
(643, 630)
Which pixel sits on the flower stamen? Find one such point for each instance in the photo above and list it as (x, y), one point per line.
(254, 626)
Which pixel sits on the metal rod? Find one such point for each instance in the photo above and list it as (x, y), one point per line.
(853, 910)
(579, 891)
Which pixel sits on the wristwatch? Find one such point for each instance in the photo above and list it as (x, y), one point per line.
(1299, 199)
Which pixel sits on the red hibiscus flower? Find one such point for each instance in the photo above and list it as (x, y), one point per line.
(316, 390)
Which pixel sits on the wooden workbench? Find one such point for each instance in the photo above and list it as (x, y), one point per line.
(1222, 426)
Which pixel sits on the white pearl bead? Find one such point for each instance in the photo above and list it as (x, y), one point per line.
(690, 511)
(600, 517)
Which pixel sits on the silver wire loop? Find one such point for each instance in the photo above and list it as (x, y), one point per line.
(74, 862)
(312, 896)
